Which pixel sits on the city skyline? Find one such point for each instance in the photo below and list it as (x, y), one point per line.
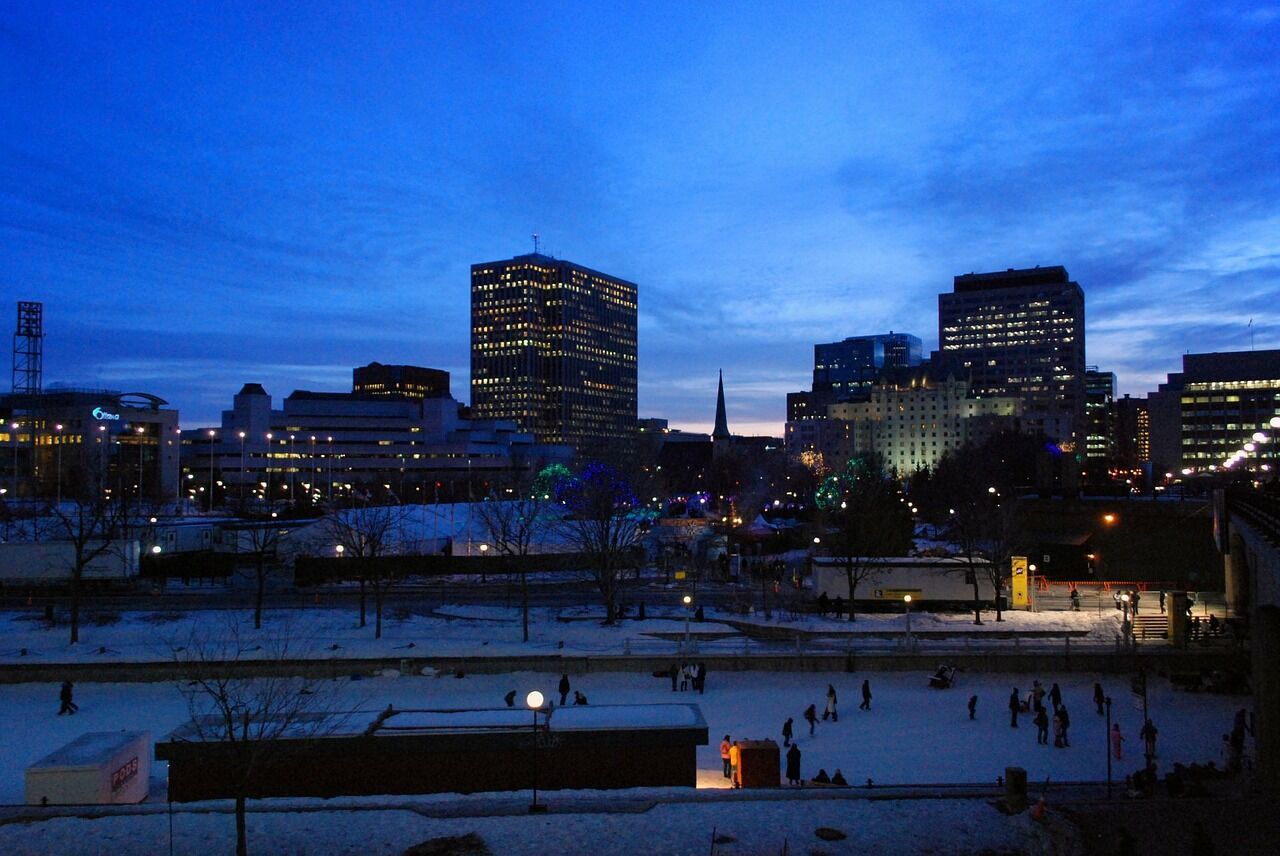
(203, 200)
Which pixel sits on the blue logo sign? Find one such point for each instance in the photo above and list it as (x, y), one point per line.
(103, 416)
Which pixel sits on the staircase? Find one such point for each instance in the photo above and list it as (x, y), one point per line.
(1151, 627)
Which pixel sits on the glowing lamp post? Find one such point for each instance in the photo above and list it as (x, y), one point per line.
(906, 606)
(534, 701)
(687, 600)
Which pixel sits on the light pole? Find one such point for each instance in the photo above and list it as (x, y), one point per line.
(13, 435)
(242, 476)
(58, 453)
(313, 489)
(484, 551)
(906, 603)
(687, 600)
(1106, 743)
(329, 466)
(290, 468)
(212, 434)
(534, 700)
(139, 431)
(266, 465)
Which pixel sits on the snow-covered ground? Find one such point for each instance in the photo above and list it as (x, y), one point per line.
(912, 734)
(470, 631)
(751, 827)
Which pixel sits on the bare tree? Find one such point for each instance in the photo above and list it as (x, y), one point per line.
(867, 522)
(258, 533)
(515, 526)
(366, 534)
(248, 715)
(603, 521)
(90, 520)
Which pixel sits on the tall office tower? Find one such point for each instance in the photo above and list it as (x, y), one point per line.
(1020, 332)
(553, 347)
(1099, 404)
(1131, 430)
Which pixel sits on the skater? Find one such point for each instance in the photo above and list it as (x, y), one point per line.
(787, 732)
(1059, 730)
(1014, 704)
(824, 603)
(837, 608)
(1099, 698)
(1133, 601)
(822, 778)
(564, 689)
(724, 756)
(1055, 697)
(1066, 726)
(640, 611)
(1117, 742)
(674, 672)
(579, 698)
(1042, 727)
(1148, 735)
(831, 712)
(793, 765)
(838, 779)
(68, 706)
(735, 757)
(866, 696)
(1075, 599)
(973, 706)
(811, 717)
(686, 676)
(700, 678)
(510, 698)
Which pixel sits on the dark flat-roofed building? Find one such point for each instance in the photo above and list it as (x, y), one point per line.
(404, 381)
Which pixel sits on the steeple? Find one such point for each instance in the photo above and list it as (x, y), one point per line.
(722, 421)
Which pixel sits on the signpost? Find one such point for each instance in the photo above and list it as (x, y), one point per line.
(1019, 576)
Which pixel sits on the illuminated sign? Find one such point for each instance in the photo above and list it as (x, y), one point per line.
(104, 416)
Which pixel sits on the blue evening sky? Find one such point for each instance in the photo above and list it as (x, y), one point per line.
(207, 194)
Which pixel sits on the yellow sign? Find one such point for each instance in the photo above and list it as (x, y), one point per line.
(1019, 572)
(680, 575)
(898, 594)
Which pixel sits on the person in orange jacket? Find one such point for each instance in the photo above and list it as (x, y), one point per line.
(735, 758)
(724, 756)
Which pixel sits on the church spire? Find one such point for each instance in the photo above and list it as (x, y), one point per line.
(722, 421)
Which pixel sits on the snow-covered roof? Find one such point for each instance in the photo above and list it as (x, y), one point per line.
(89, 750)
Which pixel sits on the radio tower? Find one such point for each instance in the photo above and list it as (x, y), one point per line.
(28, 348)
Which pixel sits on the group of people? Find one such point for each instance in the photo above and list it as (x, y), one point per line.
(688, 676)
(830, 712)
(1034, 705)
(731, 755)
(827, 605)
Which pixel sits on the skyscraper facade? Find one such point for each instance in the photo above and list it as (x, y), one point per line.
(1020, 333)
(553, 347)
(1099, 406)
(847, 369)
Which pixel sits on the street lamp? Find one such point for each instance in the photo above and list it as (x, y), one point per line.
(534, 700)
(687, 600)
(339, 549)
(484, 551)
(906, 606)
(242, 467)
(212, 434)
(58, 444)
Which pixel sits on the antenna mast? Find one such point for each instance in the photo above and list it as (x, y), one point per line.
(28, 348)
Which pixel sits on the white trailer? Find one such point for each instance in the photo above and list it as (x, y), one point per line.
(924, 578)
(98, 768)
(51, 563)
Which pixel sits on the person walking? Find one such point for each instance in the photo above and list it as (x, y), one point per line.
(830, 712)
(1162, 601)
(793, 765)
(564, 689)
(510, 698)
(837, 607)
(725, 745)
(700, 678)
(1014, 704)
(1148, 735)
(1075, 599)
(735, 758)
(1117, 743)
(811, 717)
(866, 695)
(824, 603)
(1058, 731)
(1055, 697)
(1099, 697)
(1042, 726)
(64, 696)
(787, 732)
(674, 673)
(973, 706)
(1066, 726)
(686, 676)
